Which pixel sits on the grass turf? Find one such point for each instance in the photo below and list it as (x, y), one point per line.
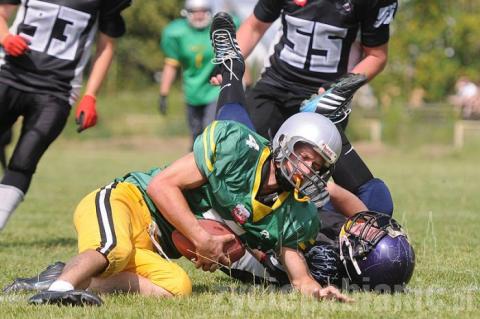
(436, 196)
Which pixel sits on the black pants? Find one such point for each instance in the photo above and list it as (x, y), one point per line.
(5, 139)
(269, 106)
(44, 117)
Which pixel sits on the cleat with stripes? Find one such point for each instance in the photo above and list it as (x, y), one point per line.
(225, 46)
(39, 282)
(335, 103)
(66, 298)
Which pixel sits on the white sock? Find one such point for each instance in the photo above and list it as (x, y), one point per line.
(10, 197)
(61, 285)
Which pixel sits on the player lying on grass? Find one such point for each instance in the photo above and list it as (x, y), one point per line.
(368, 251)
(257, 188)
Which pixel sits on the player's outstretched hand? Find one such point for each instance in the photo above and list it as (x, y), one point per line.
(210, 253)
(14, 45)
(332, 293)
(326, 293)
(86, 113)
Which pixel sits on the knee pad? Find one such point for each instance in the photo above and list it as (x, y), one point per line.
(376, 196)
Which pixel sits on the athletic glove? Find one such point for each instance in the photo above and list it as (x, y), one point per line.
(14, 45)
(86, 114)
(334, 103)
(162, 105)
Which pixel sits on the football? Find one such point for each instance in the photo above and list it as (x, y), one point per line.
(234, 249)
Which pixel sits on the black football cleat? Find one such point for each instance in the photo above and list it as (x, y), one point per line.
(225, 46)
(66, 298)
(39, 282)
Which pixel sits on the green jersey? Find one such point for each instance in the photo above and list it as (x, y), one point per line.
(231, 157)
(190, 48)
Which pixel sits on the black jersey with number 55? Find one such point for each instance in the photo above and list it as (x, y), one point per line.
(60, 35)
(318, 34)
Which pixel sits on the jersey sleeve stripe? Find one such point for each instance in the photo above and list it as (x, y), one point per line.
(172, 62)
(205, 150)
(209, 136)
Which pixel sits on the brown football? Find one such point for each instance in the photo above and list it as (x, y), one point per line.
(233, 249)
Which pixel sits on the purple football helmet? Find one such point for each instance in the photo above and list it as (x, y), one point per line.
(376, 253)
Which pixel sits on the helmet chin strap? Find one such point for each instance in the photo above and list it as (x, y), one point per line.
(344, 241)
(296, 193)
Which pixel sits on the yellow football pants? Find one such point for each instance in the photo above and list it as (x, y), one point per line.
(114, 220)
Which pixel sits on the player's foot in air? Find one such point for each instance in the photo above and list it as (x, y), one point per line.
(40, 282)
(66, 298)
(225, 46)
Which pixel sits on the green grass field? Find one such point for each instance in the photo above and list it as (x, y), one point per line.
(435, 190)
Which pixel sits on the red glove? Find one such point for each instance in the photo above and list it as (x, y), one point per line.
(14, 45)
(86, 114)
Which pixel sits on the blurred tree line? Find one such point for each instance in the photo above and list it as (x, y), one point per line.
(432, 44)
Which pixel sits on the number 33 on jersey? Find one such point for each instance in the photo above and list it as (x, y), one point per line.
(60, 34)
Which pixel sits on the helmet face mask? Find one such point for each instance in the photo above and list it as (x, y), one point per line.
(198, 13)
(374, 248)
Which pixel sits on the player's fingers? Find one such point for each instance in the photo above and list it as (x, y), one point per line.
(228, 238)
(321, 90)
(216, 80)
(213, 267)
(224, 260)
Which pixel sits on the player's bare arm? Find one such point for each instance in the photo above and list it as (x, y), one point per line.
(301, 280)
(6, 10)
(165, 190)
(374, 61)
(169, 74)
(103, 58)
(250, 33)
(86, 112)
(344, 201)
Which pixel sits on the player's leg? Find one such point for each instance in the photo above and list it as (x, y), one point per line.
(231, 102)
(43, 121)
(194, 119)
(209, 114)
(156, 275)
(352, 173)
(264, 106)
(5, 139)
(103, 223)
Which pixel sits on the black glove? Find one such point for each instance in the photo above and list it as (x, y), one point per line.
(335, 102)
(162, 105)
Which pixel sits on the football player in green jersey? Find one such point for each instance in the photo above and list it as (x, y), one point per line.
(258, 189)
(186, 45)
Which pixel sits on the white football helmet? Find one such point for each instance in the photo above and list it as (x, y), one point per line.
(313, 129)
(195, 5)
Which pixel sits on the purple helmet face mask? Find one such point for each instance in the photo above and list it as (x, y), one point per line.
(376, 252)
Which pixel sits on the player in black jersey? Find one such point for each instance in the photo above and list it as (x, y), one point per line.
(46, 50)
(311, 53)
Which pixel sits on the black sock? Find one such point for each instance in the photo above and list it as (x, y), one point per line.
(231, 89)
